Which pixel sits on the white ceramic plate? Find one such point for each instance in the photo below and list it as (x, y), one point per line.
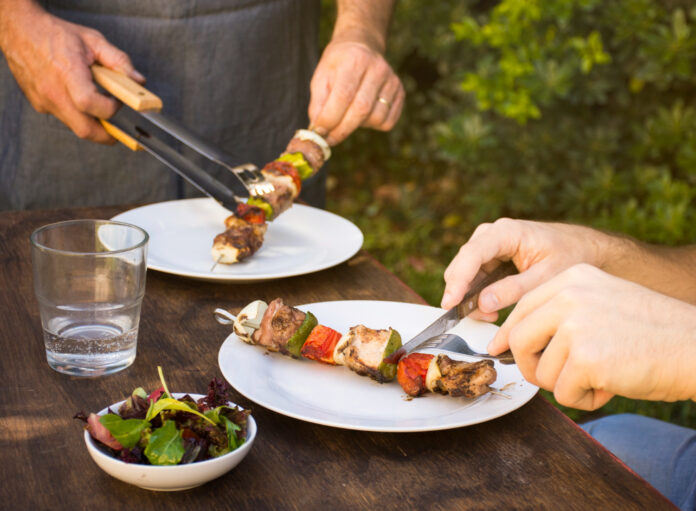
(301, 240)
(335, 396)
(174, 477)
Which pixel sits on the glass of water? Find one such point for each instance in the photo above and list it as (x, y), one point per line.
(89, 280)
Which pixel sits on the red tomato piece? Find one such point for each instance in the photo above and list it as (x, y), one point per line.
(251, 214)
(411, 373)
(288, 169)
(320, 344)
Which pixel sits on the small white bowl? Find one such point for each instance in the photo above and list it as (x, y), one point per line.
(170, 477)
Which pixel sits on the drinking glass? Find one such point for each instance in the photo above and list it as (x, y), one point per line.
(89, 280)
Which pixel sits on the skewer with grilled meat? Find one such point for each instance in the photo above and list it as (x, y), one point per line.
(280, 327)
(303, 157)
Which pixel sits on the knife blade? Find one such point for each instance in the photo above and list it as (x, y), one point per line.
(453, 316)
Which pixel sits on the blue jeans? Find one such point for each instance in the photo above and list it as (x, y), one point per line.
(662, 453)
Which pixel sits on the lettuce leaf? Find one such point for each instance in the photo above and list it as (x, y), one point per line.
(166, 447)
(126, 431)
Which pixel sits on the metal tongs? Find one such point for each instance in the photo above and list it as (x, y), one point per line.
(138, 124)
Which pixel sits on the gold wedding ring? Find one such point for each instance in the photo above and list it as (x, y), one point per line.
(382, 100)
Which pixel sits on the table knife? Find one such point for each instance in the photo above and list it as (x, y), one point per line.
(453, 316)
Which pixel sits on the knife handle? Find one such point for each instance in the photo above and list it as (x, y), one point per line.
(128, 92)
(470, 301)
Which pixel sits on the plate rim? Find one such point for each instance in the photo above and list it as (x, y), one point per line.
(232, 338)
(237, 279)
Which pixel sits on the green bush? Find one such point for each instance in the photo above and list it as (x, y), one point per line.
(571, 110)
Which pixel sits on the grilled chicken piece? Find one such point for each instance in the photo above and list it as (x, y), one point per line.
(459, 378)
(363, 350)
(279, 323)
(239, 241)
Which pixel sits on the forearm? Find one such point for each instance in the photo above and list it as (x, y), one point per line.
(667, 270)
(363, 20)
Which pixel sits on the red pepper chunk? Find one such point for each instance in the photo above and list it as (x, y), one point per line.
(251, 214)
(320, 344)
(411, 373)
(288, 169)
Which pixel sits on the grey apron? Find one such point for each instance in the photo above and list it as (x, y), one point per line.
(235, 71)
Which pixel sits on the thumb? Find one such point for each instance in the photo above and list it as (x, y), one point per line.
(112, 57)
(510, 290)
(319, 90)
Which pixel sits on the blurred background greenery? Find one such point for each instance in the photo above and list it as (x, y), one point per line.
(574, 110)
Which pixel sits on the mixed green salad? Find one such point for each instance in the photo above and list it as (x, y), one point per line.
(158, 429)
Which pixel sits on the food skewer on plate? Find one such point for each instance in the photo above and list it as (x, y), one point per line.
(282, 328)
(304, 155)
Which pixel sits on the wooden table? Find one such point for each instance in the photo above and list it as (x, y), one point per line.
(533, 458)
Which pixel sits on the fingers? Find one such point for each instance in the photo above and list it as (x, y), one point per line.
(573, 389)
(362, 104)
(84, 126)
(388, 102)
(527, 334)
(110, 56)
(565, 297)
(489, 242)
(353, 86)
(510, 290)
(320, 88)
(396, 108)
(84, 95)
(344, 88)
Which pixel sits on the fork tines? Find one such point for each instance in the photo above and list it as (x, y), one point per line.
(253, 179)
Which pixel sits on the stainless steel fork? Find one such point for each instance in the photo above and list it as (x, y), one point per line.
(453, 342)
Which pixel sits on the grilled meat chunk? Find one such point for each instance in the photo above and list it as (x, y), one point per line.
(283, 172)
(278, 325)
(459, 378)
(282, 195)
(239, 241)
(363, 350)
(309, 149)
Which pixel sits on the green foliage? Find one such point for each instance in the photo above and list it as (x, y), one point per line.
(569, 110)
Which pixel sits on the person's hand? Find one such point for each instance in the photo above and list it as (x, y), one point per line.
(587, 335)
(353, 86)
(538, 250)
(50, 60)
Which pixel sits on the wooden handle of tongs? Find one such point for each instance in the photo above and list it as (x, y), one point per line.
(130, 93)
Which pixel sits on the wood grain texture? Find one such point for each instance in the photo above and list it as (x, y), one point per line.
(534, 458)
(127, 90)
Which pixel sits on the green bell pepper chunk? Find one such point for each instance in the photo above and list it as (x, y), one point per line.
(388, 371)
(298, 161)
(261, 203)
(294, 345)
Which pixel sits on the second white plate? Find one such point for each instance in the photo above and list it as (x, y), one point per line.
(335, 396)
(301, 240)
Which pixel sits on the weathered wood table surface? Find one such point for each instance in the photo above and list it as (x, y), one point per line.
(533, 458)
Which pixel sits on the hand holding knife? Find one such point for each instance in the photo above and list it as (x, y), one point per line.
(452, 317)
